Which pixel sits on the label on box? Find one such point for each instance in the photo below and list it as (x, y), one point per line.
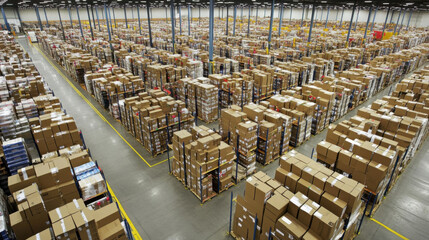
(339, 177)
(315, 204)
(306, 208)
(335, 199)
(60, 216)
(295, 200)
(280, 232)
(54, 170)
(38, 236)
(89, 234)
(20, 196)
(24, 173)
(318, 215)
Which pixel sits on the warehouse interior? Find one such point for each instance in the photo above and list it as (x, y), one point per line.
(203, 119)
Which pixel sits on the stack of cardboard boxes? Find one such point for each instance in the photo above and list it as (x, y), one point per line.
(301, 112)
(372, 146)
(207, 95)
(202, 161)
(304, 201)
(54, 131)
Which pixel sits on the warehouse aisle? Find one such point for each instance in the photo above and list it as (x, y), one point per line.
(405, 209)
(160, 207)
(157, 204)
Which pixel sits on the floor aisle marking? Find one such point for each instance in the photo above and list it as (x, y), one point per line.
(388, 228)
(134, 231)
(96, 110)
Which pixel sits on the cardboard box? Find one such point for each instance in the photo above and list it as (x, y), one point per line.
(295, 203)
(112, 231)
(75, 205)
(65, 229)
(106, 215)
(45, 234)
(58, 214)
(85, 224)
(288, 227)
(20, 226)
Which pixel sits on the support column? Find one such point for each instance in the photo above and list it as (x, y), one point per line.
(409, 19)
(89, 20)
(108, 30)
(397, 22)
(373, 19)
(19, 16)
(235, 18)
(385, 22)
(138, 19)
(46, 17)
(114, 16)
(271, 25)
(311, 24)
(109, 16)
(227, 20)
(327, 17)
(80, 24)
(341, 21)
(248, 22)
(61, 23)
(180, 18)
(125, 13)
(211, 27)
(173, 25)
(98, 19)
(302, 17)
(40, 21)
(357, 19)
(148, 23)
(350, 25)
(256, 16)
(71, 21)
(189, 20)
(367, 23)
(402, 22)
(5, 20)
(93, 18)
(281, 19)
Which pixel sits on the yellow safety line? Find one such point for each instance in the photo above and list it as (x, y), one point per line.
(95, 109)
(391, 230)
(134, 231)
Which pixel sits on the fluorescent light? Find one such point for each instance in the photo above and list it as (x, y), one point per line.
(368, 1)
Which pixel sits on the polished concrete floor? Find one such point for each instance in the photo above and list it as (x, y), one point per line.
(161, 208)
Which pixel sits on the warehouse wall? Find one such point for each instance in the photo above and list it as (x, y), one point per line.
(420, 19)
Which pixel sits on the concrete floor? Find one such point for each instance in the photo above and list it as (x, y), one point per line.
(161, 208)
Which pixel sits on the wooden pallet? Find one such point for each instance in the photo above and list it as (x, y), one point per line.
(207, 121)
(214, 194)
(231, 184)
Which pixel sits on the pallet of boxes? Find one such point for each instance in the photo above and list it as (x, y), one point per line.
(371, 146)
(305, 200)
(202, 162)
(53, 199)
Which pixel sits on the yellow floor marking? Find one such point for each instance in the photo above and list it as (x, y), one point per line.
(134, 231)
(95, 109)
(391, 230)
